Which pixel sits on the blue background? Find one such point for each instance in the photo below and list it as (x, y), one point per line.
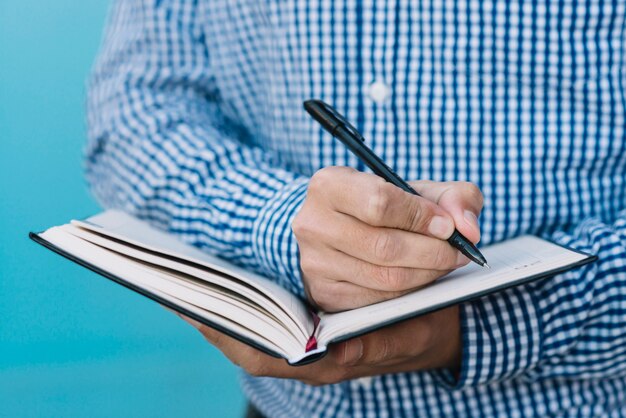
(73, 344)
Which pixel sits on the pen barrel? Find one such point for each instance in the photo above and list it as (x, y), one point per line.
(458, 241)
(378, 166)
(455, 240)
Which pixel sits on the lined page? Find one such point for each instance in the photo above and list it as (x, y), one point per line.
(511, 262)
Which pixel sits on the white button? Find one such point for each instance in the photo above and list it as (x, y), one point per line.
(379, 91)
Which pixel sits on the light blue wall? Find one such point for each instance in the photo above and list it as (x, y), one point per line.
(73, 344)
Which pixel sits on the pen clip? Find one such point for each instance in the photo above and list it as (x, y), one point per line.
(343, 121)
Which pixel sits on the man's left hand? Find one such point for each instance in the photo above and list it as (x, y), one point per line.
(427, 342)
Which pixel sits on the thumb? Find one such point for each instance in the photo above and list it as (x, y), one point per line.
(369, 351)
(388, 346)
(462, 200)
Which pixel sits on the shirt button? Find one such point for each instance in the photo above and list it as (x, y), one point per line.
(379, 92)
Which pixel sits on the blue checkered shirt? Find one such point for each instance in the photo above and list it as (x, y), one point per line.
(196, 123)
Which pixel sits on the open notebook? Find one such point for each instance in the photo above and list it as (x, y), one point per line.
(257, 311)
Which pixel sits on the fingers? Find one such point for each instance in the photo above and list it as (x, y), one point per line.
(330, 295)
(385, 347)
(375, 202)
(426, 342)
(462, 200)
(394, 241)
(397, 343)
(385, 246)
(335, 277)
(429, 341)
(252, 360)
(259, 364)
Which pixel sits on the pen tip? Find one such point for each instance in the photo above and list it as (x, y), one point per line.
(487, 266)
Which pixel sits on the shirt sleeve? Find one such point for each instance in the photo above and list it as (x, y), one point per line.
(161, 148)
(571, 326)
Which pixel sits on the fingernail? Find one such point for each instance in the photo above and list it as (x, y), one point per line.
(353, 351)
(440, 227)
(470, 218)
(461, 260)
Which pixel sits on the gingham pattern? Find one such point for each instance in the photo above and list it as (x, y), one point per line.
(196, 123)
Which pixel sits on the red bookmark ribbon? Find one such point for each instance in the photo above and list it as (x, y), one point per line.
(312, 343)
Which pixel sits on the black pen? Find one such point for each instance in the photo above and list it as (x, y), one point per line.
(341, 129)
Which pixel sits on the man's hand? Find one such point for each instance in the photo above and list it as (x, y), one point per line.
(363, 240)
(427, 342)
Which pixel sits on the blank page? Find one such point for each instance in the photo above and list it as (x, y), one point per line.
(121, 226)
(512, 262)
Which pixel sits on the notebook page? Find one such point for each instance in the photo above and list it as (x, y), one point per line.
(206, 278)
(142, 277)
(127, 228)
(511, 261)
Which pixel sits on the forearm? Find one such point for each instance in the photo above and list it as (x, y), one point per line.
(161, 148)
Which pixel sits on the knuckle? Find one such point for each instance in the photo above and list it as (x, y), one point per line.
(297, 226)
(417, 215)
(320, 180)
(254, 366)
(379, 203)
(381, 275)
(384, 247)
(386, 347)
(322, 296)
(308, 265)
(444, 257)
(301, 225)
(473, 192)
(399, 280)
(326, 178)
(312, 287)
(390, 278)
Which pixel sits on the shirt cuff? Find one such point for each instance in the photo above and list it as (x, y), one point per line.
(501, 337)
(273, 240)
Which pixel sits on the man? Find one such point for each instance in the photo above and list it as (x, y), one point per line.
(196, 123)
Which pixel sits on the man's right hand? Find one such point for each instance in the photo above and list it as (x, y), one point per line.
(363, 240)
